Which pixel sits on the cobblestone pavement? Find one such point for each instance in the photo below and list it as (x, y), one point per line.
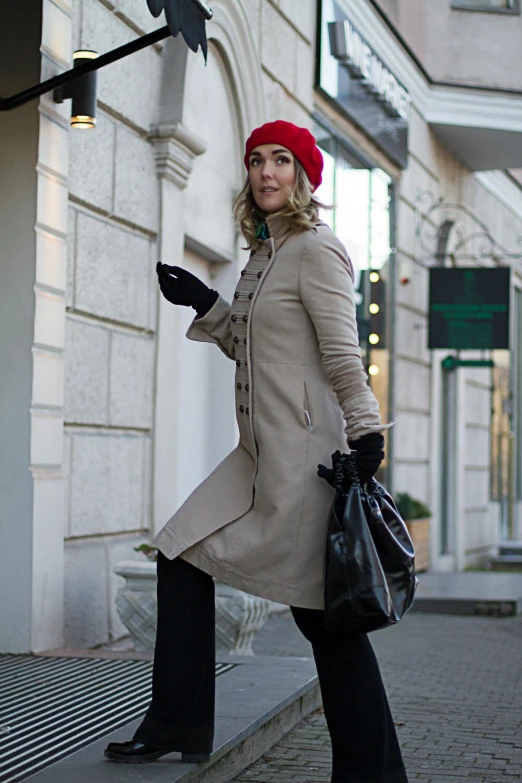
(455, 689)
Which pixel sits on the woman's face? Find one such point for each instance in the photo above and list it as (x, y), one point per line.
(271, 172)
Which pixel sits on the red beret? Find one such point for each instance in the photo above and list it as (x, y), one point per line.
(299, 141)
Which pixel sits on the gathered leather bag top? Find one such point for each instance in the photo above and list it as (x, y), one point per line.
(370, 579)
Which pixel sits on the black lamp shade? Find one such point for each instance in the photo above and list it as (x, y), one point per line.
(83, 109)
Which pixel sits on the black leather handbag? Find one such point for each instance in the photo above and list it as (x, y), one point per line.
(370, 577)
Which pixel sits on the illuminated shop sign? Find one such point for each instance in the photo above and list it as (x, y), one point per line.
(353, 75)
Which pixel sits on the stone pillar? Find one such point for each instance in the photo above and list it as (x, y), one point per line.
(175, 150)
(32, 320)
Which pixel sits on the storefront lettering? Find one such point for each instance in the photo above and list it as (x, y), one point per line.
(347, 46)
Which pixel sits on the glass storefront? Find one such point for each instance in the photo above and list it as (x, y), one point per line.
(361, 218)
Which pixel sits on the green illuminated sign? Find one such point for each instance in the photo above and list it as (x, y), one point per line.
(469, 308)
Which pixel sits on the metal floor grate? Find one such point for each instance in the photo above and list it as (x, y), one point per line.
(51, 707)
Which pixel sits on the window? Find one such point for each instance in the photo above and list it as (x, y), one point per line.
(496, 6)
(362, 195)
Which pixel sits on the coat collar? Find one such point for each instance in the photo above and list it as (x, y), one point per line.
(279, 228)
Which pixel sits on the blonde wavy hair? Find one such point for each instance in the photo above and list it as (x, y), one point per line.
(301, 208)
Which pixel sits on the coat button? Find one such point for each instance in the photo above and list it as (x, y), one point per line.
(251, 295)
(236, 340)
(243, 272)
(238, 362)
(270, 254)
(245, 318)
(246, 387)
(239, 386)
(260, 274)
(233, 318)
(247, 412)
(242, 408)
(236, 295)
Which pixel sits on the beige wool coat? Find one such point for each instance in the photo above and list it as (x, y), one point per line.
(259, 521)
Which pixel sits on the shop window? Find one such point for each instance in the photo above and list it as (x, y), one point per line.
(361, 196)
(497, 6)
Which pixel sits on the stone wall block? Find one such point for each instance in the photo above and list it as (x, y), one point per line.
(411, 477)
(304, 72)
(71, 257)
(423, 142)
(406, 227)
(53, 146)
(48, 378)
(302, 15)
(92, 163)
(106, 485)
(86, 373)
(131, 380)
(478, 404)
(51, 260)
(136, 190)
(415, 292)
(411, 434)
(480, 529)
(477, 446)
(52, 202)
(66, 471)
(476, 488)
(139, 14)
(278, 43)
(131, 85)
(86, 621)
(411, 335)
(46, 438)
(413, 383)
(49, 319)
(253, 10)
(112, 271)
(56, 32)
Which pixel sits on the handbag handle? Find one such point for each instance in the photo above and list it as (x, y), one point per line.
(346, 468)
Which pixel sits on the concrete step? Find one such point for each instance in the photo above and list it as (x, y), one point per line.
(506, 563)
(257, 703)
(510, 548)
(470, 592)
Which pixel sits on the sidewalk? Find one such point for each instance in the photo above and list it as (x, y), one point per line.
(455, 688)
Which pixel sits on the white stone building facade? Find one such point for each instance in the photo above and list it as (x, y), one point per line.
(109, 416)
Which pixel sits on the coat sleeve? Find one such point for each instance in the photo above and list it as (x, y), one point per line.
(327, 292)
(214, 327)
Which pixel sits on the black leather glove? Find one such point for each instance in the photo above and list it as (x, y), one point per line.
(182, 288)
(328, 473)
(368, 457)
(369, 454)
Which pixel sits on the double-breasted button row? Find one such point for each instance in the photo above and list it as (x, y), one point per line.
(250, 280)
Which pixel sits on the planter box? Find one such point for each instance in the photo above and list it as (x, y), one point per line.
(239, 616)
(419, 530)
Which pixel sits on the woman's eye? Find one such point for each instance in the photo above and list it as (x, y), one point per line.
(285, 160)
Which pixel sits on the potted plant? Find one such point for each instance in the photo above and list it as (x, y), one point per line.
(239, 616)
(416, 515)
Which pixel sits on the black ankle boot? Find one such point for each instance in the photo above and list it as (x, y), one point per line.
(132, 752)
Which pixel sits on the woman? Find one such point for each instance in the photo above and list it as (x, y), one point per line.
(258, 522)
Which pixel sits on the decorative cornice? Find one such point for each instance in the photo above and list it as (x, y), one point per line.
(175, 148)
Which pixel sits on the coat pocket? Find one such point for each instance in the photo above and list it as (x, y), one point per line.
(306, 408)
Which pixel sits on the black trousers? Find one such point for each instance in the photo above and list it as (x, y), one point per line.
(181, 714)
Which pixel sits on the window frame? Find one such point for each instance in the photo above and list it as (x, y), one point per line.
(460, 5)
